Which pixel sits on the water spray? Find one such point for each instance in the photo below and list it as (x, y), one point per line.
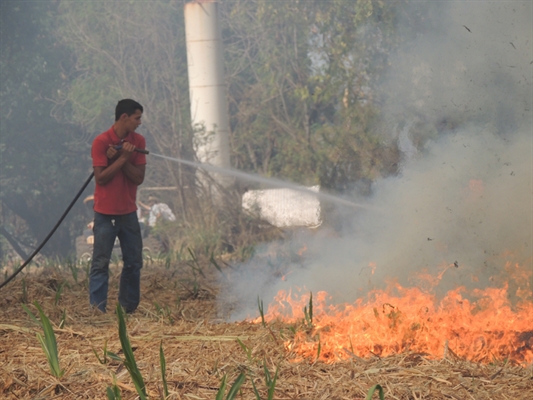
(260, 179)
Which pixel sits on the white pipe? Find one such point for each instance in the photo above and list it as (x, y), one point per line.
(207, 88)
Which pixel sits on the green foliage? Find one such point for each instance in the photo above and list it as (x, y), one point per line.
(269, 381)
(113, 393)
(164, 312)
(232, 393)
(107, 353)
(30, 314)
(163, 365)
(373, 389)
(214, 262)
(63, 319)
(261, 310)
(308, 312)
(129, 358)
(48, 343)
(74, 270)
(304, 87)
(246, 349)
(59, 290)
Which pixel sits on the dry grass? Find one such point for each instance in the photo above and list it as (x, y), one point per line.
(200, 348)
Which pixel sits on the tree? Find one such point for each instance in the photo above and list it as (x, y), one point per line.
(39, 163)
(304, 84)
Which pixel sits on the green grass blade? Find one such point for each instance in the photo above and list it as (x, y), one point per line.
(129, 361)
(114, 357)
(58, 293)
(110, 394)
(222, 389)
(48, 343)
(257, 396)
(163, 364)
(247, 350)
(311, 308)
(104, 360)
(268, 378)
(213, 261)
(63, 319)
(236, 386)
(30, 314)
(272, 385)
(98, 357)
(113, 393)
(261, 310)
(373, 389)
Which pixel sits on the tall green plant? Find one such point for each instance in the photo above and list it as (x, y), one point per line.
(129, 361)
(163, 365)
(48, 343)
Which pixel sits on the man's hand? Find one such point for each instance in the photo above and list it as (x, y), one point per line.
(111, 152)
(125, 151)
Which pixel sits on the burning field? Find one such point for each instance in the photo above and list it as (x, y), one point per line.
(401, 338)
(399, 320)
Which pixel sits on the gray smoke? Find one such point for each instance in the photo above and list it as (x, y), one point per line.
(460, 107)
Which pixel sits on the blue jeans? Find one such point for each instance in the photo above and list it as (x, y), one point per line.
(106, 229)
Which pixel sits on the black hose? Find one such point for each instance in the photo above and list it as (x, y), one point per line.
(50, 234)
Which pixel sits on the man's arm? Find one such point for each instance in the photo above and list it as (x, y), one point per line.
(135, 173)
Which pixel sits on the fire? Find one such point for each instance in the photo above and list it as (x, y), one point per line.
(480, 325)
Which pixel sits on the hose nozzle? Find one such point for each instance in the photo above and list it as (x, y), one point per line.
(143, 151)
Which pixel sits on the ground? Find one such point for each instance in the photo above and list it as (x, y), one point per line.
(178, 311)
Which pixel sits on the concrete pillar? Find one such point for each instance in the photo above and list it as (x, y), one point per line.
(207, 88)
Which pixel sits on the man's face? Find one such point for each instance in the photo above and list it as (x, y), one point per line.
(133, 121)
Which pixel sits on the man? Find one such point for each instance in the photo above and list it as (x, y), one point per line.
(118, 170)
(158, 211)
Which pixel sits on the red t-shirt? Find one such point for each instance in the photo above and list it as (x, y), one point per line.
(118, 196)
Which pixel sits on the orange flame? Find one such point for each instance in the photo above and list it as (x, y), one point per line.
(480, 326)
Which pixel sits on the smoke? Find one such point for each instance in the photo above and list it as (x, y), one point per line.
(463, 202)
(474, 65)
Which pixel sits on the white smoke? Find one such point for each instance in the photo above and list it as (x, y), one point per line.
(464, 202)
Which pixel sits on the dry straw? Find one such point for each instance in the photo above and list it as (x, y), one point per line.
(201, 349)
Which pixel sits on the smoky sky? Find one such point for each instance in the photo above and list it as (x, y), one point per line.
(462, 203)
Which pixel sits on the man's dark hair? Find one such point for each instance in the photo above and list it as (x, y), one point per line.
(127, 106)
